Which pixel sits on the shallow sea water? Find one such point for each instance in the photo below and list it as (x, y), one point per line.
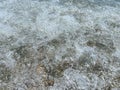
(59, 44)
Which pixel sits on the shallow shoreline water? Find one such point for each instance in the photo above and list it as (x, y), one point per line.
(59, 45)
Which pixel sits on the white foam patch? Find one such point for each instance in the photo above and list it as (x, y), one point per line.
(52, 23)
(7, 30)
(73, 76)
(10, 62)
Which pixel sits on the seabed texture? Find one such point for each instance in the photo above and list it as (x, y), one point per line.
(59, 44)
